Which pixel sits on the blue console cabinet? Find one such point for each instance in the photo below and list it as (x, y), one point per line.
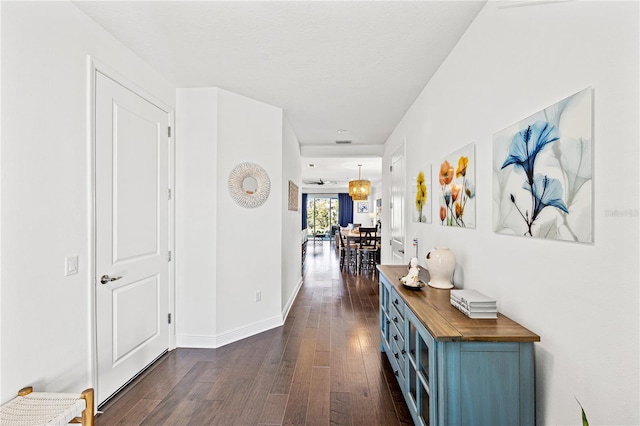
(454, 370)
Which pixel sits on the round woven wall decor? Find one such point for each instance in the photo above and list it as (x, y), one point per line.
(239, 194)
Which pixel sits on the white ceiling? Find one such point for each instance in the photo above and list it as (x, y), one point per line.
(352, 65)
(339, 171)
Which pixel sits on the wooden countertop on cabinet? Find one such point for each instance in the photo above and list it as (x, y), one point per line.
(445, 323)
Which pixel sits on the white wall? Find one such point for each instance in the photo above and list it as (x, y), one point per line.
(1, 400)
(196, 204)
(46, 201)
(363, 218)
(291, 256)
(226, 253)
(582, 299)
(249, 240)
(46, 192)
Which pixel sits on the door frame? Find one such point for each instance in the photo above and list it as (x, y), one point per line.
(399, 151)
(93, 67)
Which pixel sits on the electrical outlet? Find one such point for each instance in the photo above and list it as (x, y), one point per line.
(258, 296)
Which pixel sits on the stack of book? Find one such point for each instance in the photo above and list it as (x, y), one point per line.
(474, 304)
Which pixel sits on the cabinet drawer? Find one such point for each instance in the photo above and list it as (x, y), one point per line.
(397, 318)
(398, 358)
(397, 302)
(396, 367)
(396, 335)
(398, 349)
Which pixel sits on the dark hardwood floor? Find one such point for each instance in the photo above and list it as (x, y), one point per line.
(323, 366)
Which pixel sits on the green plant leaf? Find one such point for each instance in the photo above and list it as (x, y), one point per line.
(585, 422)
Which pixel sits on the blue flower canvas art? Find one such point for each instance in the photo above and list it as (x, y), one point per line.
(542, 173)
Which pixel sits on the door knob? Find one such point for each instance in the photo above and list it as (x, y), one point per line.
(106, 278)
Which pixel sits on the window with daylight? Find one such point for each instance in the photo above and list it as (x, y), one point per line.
(322, 214)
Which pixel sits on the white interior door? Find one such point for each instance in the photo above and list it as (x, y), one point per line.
(397, 207)
(132, 234)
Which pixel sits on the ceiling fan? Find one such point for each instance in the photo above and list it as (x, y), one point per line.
(319, 182)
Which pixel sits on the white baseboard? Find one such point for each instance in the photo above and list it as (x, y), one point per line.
(185, 341)
(287, 307)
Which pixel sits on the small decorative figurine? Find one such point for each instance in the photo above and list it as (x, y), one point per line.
(412, 278)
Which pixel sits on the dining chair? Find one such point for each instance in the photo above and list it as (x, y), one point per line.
(368, 249)
(348, 249)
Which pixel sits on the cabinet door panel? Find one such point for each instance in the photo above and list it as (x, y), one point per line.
(489, 387)
(421, 371)
(411, 341)
(425, 405)
(384, 316)
(482, 381)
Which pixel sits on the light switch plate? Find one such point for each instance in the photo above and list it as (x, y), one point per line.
(70, 265)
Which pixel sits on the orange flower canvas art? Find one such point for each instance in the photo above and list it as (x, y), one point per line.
(456, 176)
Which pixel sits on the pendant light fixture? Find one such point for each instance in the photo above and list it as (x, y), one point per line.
(359, 189)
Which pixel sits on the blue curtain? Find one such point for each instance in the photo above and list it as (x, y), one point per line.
(304, 211)
(345, 209)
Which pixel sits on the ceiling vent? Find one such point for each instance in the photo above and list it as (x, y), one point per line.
(344, 142)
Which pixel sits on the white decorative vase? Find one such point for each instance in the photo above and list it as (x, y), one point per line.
(441, 263)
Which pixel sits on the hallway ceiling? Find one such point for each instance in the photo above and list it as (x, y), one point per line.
(351, 65)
